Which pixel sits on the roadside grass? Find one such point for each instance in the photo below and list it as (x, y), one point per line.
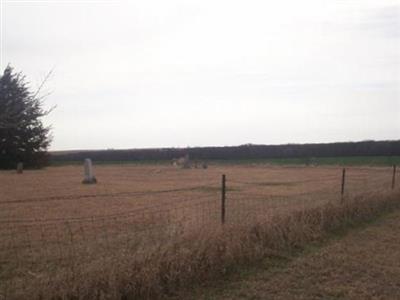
(269, 266)
(358, 261)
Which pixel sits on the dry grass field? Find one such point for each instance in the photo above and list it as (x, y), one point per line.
(51, 223)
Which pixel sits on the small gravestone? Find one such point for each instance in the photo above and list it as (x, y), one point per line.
(20, 168)
(185, 162)
(88, 168)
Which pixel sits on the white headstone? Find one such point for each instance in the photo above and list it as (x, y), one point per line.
(88, 168)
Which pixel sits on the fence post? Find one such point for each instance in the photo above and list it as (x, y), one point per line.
(394, 177)
(223, 193)
(343, 181)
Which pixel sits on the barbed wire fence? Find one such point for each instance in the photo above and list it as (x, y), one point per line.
(29, 246)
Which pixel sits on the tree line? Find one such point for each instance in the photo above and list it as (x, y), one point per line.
(249, 151)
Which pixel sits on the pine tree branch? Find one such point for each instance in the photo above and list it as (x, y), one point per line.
(46, 78)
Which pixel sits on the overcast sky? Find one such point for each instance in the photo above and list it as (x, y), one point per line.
(130, 74)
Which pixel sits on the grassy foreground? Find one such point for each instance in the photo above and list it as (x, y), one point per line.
(357, 262)
(200, 256)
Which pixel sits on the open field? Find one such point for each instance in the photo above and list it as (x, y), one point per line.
(318, 161)
(51, 223)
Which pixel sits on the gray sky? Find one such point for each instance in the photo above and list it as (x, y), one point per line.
(160, 73)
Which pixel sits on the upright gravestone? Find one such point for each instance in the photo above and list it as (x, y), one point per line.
(20, 168)
(88, 168)
(185, 162)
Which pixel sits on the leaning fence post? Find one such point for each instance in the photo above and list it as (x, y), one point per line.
(394, 177)
(343, 181)
(223, 193)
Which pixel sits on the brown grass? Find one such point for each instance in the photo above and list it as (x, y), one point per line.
(145, 232)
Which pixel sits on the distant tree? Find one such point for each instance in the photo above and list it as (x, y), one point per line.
(23, 137)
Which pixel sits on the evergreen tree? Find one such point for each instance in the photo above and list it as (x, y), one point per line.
(23, 137)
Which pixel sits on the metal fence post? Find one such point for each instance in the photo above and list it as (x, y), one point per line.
(343, 182)
(223, 194)
(394, 177)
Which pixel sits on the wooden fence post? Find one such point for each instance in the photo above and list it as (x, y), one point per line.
(223, 194)
(394, 177)
(343, 181)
